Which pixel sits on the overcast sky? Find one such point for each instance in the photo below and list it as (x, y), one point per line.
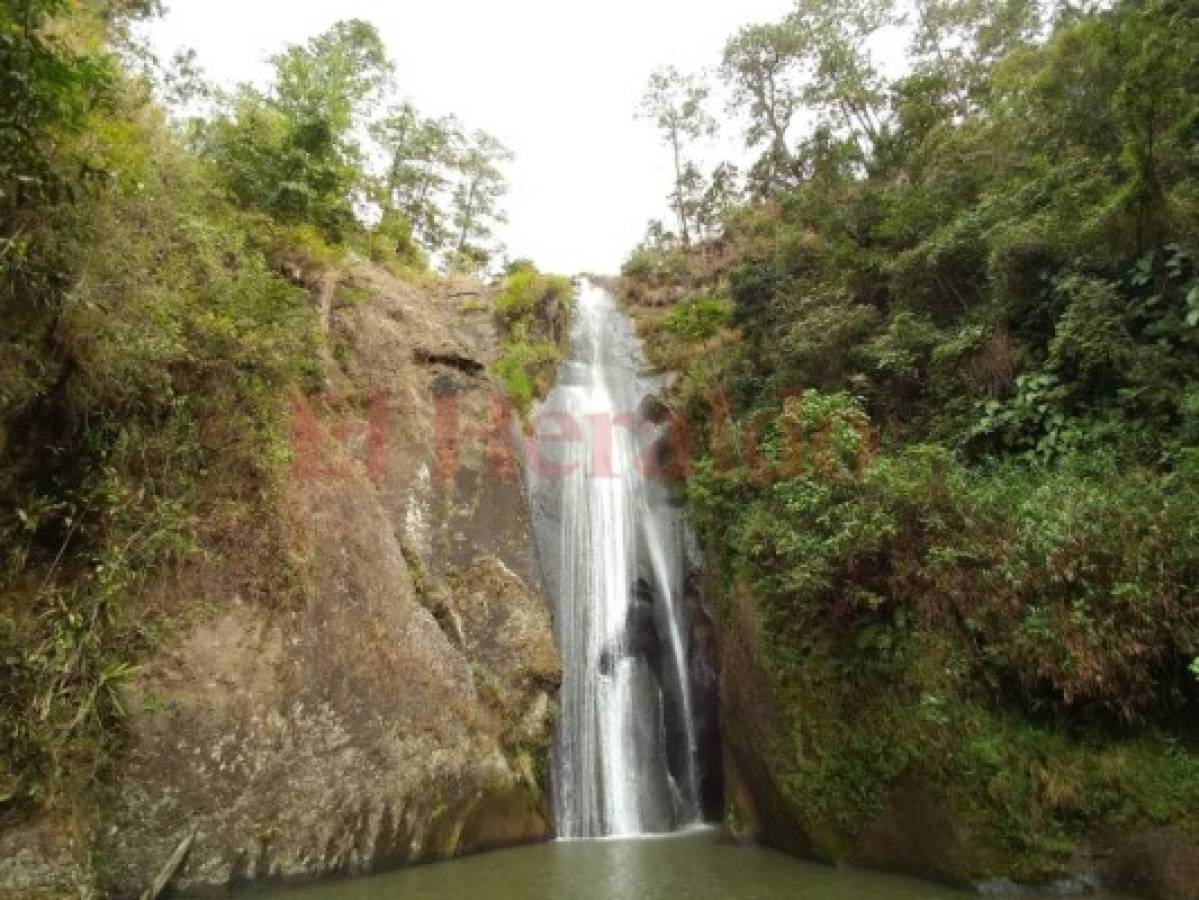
(557, 80)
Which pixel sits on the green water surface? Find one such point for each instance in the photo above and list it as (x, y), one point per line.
(702, 865)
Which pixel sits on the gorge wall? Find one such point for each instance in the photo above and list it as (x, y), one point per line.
(393, 702)
(918, 827)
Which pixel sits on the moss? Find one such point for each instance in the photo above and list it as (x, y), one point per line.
(1028, 794)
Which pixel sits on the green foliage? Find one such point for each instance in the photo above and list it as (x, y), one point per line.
(699, 319)
(293, 152)
(178, 348)
(948, 451)
(534, 311)
(147, 353)
(423, 155)
(676, 104)
(1032, 421)
(273, 166)
(1025, 791)
(527, 369)
(763, 64)
(391, 243)
(49, 86)
(530, 296)
(150, 347)
(927, 620)
(325, 84)
(476, 199)
(655, 267)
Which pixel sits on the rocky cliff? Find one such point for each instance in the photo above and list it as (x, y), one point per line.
(918, 828)
(393, 701)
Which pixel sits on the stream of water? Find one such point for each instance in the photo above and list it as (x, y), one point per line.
(615, 551)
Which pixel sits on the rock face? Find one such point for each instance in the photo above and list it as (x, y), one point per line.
(751, 730)
(915, 832)
(396, 703)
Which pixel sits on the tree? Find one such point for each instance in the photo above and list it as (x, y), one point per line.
(690, 195)
(763, 64)
(481, 185)
(183, 83)
(332, 77)
(422, 157)
(293, 151)
(659, 237)
(706, 199)
(957, 43)
(844, 79)
(720, 196)
(675, 104)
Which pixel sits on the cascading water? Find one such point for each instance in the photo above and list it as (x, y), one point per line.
(630, 751)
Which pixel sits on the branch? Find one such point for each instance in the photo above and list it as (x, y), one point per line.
(171, 868)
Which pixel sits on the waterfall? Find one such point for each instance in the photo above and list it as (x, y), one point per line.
(627, 757)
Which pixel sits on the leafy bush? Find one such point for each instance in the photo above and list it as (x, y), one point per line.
(920, 616)
(534, 311)
(527, 370)
(390, 244)
(698, 319)
(529, 297)
(49, 86)
(656, 266)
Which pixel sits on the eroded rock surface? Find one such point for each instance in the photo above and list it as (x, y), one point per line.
(396, 703)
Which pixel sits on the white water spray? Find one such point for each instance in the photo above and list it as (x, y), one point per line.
(626, 755)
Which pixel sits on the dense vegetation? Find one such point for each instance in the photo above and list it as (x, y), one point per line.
(158, 279)
(939, 356)
(534, 312)
(938, 349)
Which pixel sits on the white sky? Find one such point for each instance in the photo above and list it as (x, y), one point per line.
(557, 80)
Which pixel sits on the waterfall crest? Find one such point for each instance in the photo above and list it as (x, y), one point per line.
(628, 758)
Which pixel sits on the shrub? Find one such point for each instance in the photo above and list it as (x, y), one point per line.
(175, 347)
(699, 318)
(534, 311)
(527, 370)
(657, 266)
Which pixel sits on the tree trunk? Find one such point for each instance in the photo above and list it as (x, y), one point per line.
(678, 187)
(468, 216)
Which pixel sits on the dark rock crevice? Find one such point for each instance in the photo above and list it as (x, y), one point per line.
(452, 360)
